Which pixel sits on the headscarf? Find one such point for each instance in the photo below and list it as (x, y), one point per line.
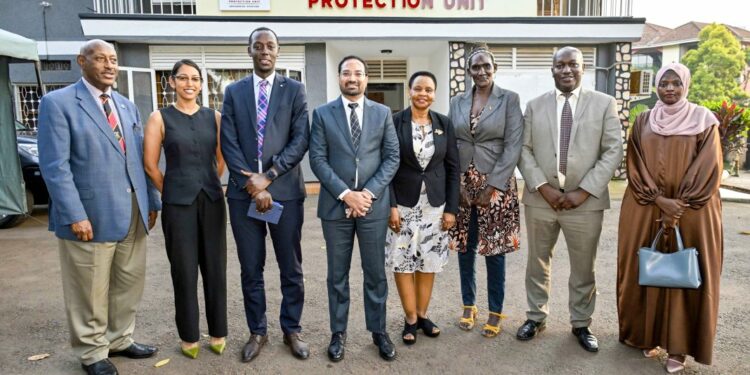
(683, 117)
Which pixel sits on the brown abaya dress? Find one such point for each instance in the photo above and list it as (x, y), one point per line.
(687, 167)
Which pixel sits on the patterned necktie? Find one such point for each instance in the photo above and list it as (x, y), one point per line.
(354, 122)
(566, 123)
(262, 113)
(112, 120)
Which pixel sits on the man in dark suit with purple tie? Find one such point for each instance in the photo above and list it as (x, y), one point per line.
(264, 136)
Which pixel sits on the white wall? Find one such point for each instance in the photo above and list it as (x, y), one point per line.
(419, 55)
(531, 83)
(670, 54)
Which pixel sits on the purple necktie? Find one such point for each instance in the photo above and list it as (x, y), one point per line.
(262, 113)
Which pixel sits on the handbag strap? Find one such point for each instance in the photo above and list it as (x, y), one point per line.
(680, 245)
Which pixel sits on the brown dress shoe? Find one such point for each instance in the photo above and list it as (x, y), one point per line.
(299, 347)
(253, 346)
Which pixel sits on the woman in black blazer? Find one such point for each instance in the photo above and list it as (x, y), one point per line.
(424, 203)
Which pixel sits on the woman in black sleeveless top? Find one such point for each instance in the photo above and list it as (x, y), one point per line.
(193, 213)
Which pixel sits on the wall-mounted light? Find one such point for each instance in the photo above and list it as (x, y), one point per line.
(45, 5)
(386, 51)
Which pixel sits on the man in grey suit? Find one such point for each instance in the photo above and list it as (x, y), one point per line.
(91, 158)
(571, 148)
(354, 153)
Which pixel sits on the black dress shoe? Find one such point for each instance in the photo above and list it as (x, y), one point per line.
(587, 339)
(136, 351)
(103, 367)
(529, 329)
(385, 345)
(336, 347)
(299, 348)
(253, 347)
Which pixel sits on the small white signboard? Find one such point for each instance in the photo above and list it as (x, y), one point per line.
(244, 4)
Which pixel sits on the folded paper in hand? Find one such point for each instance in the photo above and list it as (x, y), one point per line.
(271, 216)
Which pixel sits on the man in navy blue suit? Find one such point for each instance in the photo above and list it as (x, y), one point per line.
(264, 136)
(91, 158)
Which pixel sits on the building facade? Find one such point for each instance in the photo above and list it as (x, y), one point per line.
(396, 37)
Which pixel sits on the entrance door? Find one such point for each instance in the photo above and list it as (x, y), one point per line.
(388, 94)
(138, 85)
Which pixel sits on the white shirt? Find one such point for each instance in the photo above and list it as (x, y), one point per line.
(573, 102)
(269, 87)
(359, 111)
(360, 115)
(96, 94)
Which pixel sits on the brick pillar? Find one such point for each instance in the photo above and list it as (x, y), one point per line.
(457, 59)
(622, 95)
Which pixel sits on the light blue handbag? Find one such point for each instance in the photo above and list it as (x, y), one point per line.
(669, 270)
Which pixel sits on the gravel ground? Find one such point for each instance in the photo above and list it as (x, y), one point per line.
(33, 317)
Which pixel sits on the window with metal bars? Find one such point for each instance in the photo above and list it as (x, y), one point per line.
(27, 98)
(217, 82)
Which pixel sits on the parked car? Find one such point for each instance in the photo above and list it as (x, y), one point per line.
(36, 190)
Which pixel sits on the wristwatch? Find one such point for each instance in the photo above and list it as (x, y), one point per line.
(271, 174)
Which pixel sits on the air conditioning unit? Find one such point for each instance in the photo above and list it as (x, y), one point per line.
(640, 82)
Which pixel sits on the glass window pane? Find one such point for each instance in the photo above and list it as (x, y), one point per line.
(164, 92)
(121, 84)
(218, 80)
(295, 75)
(143, 98)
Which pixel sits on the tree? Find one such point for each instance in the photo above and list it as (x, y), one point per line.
(716, 66)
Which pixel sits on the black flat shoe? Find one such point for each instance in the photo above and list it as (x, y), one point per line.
(428, 327)
(103, 367)
(529, 330)
(336, 347)
(409, 329)
(136, 351)
(587, 339)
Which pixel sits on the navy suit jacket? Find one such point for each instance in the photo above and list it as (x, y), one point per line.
(285, 142)
(88, 176)
(338, 166)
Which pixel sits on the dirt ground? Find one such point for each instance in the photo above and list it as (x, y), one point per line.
(33, 318)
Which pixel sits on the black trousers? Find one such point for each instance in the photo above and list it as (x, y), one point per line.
(195, 238)
(250, 235)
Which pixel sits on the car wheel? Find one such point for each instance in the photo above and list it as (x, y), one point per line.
(10, 221)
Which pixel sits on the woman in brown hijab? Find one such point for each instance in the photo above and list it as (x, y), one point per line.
(674, 167)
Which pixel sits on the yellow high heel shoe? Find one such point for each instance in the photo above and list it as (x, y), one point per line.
(191, 352)
(218, 348)
(467, 324)
(490, 331)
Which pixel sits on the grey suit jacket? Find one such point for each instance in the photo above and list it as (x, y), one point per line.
(337, 165)
(88, 176)
(496, 146)
(594, 152)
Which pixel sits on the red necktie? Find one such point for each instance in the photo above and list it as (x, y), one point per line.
(112, 120)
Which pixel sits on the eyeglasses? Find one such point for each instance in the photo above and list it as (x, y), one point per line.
(185, 79)
(357, 74)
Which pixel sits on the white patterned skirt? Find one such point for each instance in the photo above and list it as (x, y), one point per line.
(421, 246)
